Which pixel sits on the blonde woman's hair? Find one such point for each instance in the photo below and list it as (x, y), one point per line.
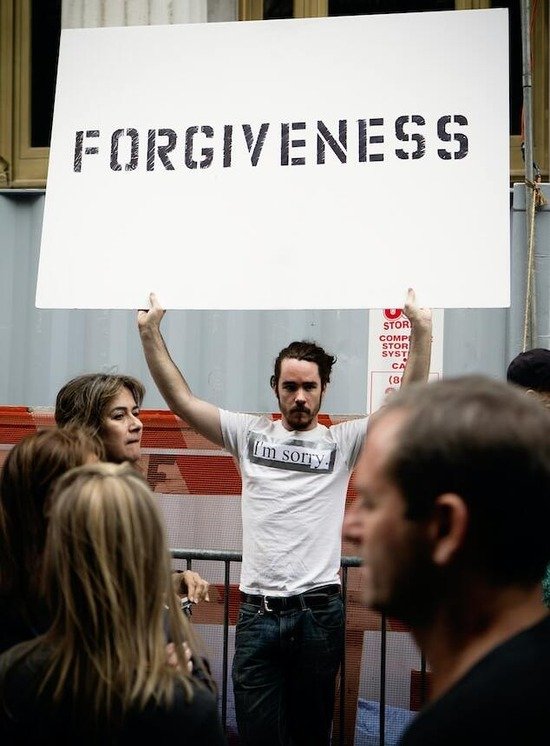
(108, 582)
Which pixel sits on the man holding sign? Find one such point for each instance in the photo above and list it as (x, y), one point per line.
(295, 473)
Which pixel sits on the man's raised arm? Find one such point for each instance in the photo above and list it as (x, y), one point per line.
(201, 415)
(417, 367)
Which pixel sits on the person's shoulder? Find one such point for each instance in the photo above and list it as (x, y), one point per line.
(500, 697)
(243, 417)
(350, 425)
(348, 420)
(19, 623)
(525, 653)
(483, 718)
(523, 657)
(194, 717)
(14, 626)
(25, 660)
(201, 698)
(22, 671)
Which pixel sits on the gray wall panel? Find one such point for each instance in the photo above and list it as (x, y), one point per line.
(227, 357)
(475, 341)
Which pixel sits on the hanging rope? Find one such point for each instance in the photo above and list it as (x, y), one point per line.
(537, 200)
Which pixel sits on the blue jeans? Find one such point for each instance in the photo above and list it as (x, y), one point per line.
(284, 674)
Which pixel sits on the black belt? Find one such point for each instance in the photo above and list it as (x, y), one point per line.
(315, 598)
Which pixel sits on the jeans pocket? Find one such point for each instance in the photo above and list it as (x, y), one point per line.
(329, 617)
(248, 615)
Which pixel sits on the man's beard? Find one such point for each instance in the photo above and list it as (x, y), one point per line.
(299, 423)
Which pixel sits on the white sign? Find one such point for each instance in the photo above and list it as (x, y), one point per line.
(278, 164)
(389, 348)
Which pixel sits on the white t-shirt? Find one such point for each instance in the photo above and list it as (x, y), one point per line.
(293, 498)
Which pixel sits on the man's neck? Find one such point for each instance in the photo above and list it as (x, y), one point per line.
(461, 635)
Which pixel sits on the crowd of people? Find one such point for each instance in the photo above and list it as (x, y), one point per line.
(453, 481)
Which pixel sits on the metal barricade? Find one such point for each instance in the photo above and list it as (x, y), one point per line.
(227, 558)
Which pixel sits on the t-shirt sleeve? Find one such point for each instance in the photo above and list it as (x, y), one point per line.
(235, 427)
(349, 437)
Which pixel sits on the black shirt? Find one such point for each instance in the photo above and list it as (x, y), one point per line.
(503, 700)
(28, 717)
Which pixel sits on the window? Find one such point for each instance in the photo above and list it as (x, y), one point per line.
(539, 64)
(29, 44)
(269, 9)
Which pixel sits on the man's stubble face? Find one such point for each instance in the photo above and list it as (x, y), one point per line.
(299, 394)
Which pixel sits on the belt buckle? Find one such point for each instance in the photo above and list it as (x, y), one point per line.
(267, 607)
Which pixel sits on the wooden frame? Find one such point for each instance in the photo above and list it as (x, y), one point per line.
(253, 10)
(6, 90)
(21, 165)
(30, 164)
(310, 8)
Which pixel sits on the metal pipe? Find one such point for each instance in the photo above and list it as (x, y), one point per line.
(342, 729)
(527, 84)
(423, 681)
(222, 555)
(225, 643)
(382, 719)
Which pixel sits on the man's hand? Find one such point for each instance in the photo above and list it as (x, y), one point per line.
(150, 319)
(190, 584)
(420, 318)
(417, 368)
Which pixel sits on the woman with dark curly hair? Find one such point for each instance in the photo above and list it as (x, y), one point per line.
(27, 479)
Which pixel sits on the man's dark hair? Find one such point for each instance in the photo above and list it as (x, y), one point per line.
(309, 351)
(490, 444)
(531, 370)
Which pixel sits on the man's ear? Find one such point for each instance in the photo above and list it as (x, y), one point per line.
(448, 527)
